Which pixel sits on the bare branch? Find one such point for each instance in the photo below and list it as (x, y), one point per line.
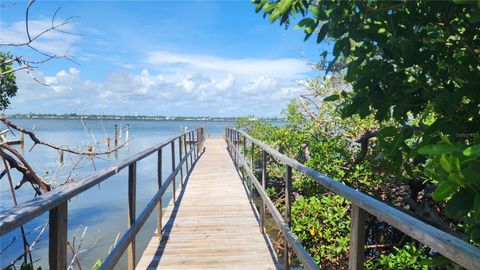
(36, 141)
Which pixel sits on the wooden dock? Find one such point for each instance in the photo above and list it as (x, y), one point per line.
(213, 225)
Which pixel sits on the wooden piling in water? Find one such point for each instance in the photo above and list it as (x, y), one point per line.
(108, 143)
(115, 136)
(22, 140)
(61, 157)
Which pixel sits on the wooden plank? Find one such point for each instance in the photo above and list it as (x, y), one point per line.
(357, 238)
(119, 249)
(213, 225)
(57, 244)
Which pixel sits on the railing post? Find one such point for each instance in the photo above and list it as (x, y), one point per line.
(288, 205)
(264, 180)
(57, 245)
(250, 182)
(199, 135)
(132, 179)
(190, 141)
(186, 151)
(159, 180)
(235, 141)
(173, 169)
(357, 238)
(180, 154)
(245, 148)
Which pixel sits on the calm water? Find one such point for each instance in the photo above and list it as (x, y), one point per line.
(102, 209)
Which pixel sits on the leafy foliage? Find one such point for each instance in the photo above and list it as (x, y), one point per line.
(323, 228)
(8, 86)
(414, 67)
(408, 257)
(320, 219)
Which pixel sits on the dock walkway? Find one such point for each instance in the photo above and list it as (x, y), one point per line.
(213, 225)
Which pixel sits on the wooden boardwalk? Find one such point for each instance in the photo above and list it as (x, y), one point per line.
(213, 225)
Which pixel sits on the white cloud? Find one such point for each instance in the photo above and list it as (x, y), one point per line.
(287, 68)
(227, 83)
(259, 84)
(228, 87)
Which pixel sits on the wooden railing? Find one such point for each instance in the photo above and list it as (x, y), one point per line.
(190, 145)
(446, 244)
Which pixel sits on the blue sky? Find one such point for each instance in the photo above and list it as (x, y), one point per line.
(216, 58)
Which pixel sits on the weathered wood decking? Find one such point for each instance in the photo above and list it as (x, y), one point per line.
(213, 225)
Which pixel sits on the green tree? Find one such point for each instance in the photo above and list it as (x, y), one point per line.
(8, 85)
(413, 66)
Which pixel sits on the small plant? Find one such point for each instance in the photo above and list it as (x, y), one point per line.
(406, 257)
(322, 224)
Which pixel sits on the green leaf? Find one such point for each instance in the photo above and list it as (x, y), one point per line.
(307, 22)
(322, 33)
(308, 25)
(456, 178)
(472, 151)
(443, 190)
(460, 204)
(258, 7)
(274, 15)
(314, 10)
(445, 163)
(284, 6)
(437, 149)
(387, 132)
(332, 97)
(342, 46)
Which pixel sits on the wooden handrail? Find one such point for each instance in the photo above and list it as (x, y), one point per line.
(56, 201)
(299, 250)
(446, 244)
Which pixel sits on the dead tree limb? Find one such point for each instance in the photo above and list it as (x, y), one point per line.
(37, 141)
(26, 64)
(24, 168)
(363, 141)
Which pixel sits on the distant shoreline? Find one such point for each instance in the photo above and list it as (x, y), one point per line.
(133, 117)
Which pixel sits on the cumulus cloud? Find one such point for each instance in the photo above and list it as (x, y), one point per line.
(259, 84)
(223, 87)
